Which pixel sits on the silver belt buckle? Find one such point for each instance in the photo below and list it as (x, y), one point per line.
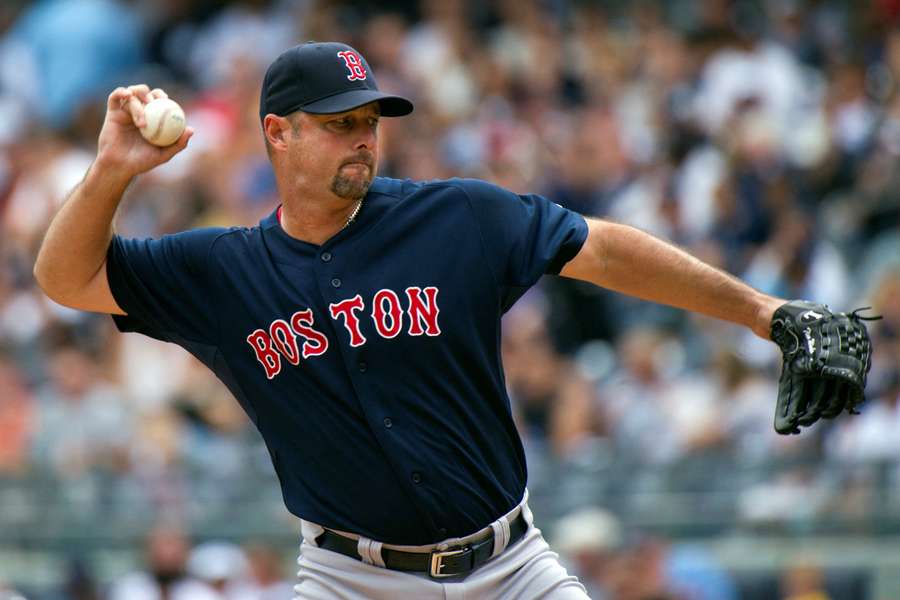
(437, 561)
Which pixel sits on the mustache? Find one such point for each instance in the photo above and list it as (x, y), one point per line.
(365, 157)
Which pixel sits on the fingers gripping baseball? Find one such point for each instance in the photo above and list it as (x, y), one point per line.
(121, 143)
(128, 103)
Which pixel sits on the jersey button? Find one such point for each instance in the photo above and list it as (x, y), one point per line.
(416, 477)
(363, 367)
(388, 423)
(326, 256)
(336, 282)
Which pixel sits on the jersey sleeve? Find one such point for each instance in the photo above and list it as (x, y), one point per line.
(165, 285)
(525, 236)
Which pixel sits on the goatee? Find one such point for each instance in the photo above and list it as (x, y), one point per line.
(349, 188)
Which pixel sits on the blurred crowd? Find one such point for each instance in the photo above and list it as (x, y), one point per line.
(763, 136)
(174, 570)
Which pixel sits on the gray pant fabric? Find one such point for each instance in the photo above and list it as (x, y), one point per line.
(528, 570)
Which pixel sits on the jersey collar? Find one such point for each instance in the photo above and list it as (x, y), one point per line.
(372, 210)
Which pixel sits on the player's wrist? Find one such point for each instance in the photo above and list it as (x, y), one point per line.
(765, 310)
(108, 168)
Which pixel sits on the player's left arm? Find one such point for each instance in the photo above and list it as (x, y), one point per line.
(628, 260)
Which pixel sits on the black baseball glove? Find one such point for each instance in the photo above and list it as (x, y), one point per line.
(826, 358)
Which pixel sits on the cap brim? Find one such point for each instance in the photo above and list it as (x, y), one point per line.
(391, 106)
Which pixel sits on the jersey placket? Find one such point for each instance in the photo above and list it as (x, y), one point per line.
(349, 305)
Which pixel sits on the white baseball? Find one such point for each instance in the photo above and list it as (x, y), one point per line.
(165, 122)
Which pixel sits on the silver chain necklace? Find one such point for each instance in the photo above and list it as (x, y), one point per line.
(355, 212)
(350, 219)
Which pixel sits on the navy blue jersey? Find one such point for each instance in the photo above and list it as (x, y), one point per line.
(370, 364)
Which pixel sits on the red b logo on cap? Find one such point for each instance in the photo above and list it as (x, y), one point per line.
(354, 64)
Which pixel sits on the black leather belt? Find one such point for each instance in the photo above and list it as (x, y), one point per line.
(453, 561)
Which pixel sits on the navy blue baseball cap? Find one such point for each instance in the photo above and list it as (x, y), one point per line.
(324, 78)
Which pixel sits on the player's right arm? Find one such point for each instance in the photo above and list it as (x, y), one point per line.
(71, 263)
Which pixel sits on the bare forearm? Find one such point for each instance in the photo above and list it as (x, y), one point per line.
(71, 264)
(75, 245)
(627, 260)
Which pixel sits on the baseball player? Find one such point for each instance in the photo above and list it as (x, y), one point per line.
(359, 324)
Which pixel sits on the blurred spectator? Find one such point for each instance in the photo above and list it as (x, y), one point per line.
(741, 67)
(218, 429)
(7, 593)
(252, 573)
(73, 50)
(221, 565)
(789, 497)
(694, 573)
(872, 436)
(245, 30)
(266, 578)
(804, 582)
(793, 264)
(658, 410)
(554, 403)
(747, 395)
(588, 540)
(79, 583)
(885, 294)
(82, 422)
(166, 576)
(16, 418)
(640, 573)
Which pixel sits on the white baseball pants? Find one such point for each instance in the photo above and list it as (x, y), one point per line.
(528, 570)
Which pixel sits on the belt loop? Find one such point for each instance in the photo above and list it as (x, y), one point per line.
(377, 558)
(310, 531)
(370, 551)
(501, 535)
(526, 512)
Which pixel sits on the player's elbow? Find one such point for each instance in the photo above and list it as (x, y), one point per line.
(54, 283)
(50, 285)
(89, 292)
(43, 277)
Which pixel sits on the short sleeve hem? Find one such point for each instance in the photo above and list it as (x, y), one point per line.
(118, 286)
(569, 249)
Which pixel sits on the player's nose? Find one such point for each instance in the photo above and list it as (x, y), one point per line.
(365, 143)
(366, 139)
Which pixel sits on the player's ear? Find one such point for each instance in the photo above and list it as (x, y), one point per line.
(276, 130)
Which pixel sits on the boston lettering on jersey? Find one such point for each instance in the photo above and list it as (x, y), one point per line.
(280, 340)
